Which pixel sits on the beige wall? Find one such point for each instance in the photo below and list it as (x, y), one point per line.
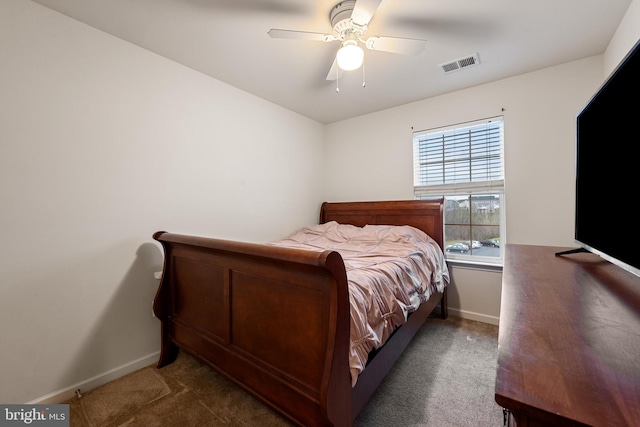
(102, 144)
(371, 157)
(627, 35)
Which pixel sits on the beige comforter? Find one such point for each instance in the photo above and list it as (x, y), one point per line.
(391, 270)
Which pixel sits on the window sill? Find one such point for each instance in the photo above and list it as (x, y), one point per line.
(474, 265)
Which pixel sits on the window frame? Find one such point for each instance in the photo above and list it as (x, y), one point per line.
(493, 186)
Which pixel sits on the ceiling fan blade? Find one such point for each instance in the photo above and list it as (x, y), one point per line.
(300, 35)
(396, 45)
(364, 10)
(335, 72)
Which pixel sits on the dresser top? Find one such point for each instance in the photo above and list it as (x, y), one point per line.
(569, 338)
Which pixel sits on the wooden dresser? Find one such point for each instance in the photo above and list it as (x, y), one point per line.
(569, 340)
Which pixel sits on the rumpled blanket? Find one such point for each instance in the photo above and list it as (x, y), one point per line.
(391, 270)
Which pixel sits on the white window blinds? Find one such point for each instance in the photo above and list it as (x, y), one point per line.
(464, 158)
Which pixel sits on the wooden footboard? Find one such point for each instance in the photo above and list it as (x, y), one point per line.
(273, 320)
(276, 320)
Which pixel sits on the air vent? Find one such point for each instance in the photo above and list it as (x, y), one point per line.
(460, 63)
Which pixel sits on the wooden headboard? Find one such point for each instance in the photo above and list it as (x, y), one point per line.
(426, 215)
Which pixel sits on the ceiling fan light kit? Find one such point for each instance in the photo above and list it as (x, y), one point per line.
(350, 56)
(349, 20)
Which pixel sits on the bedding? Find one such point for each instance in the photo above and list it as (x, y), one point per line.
(391, 270)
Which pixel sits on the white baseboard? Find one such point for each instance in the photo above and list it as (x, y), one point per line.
(479, 317)
(91, 383)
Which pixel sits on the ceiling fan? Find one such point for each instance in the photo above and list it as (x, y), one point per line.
(349, 20)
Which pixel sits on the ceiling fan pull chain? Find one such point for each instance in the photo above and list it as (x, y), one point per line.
(337, 80)
(363, 82)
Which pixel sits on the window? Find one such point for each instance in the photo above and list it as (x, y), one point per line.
(464, 164)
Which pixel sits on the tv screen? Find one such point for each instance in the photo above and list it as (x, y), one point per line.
(607, 218)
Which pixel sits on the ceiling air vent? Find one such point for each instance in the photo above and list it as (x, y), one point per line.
(460, 63)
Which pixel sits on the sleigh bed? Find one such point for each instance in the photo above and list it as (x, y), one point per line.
(276, 320)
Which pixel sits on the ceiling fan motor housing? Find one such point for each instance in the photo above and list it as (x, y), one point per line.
(340, 18)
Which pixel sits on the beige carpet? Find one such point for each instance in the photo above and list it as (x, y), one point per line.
(185, 393)
(445, 378)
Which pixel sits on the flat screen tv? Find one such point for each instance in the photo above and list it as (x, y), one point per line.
(607, 216)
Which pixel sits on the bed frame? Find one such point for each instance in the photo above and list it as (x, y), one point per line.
(276, 320)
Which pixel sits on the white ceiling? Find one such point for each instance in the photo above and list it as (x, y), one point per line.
(227, 39)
